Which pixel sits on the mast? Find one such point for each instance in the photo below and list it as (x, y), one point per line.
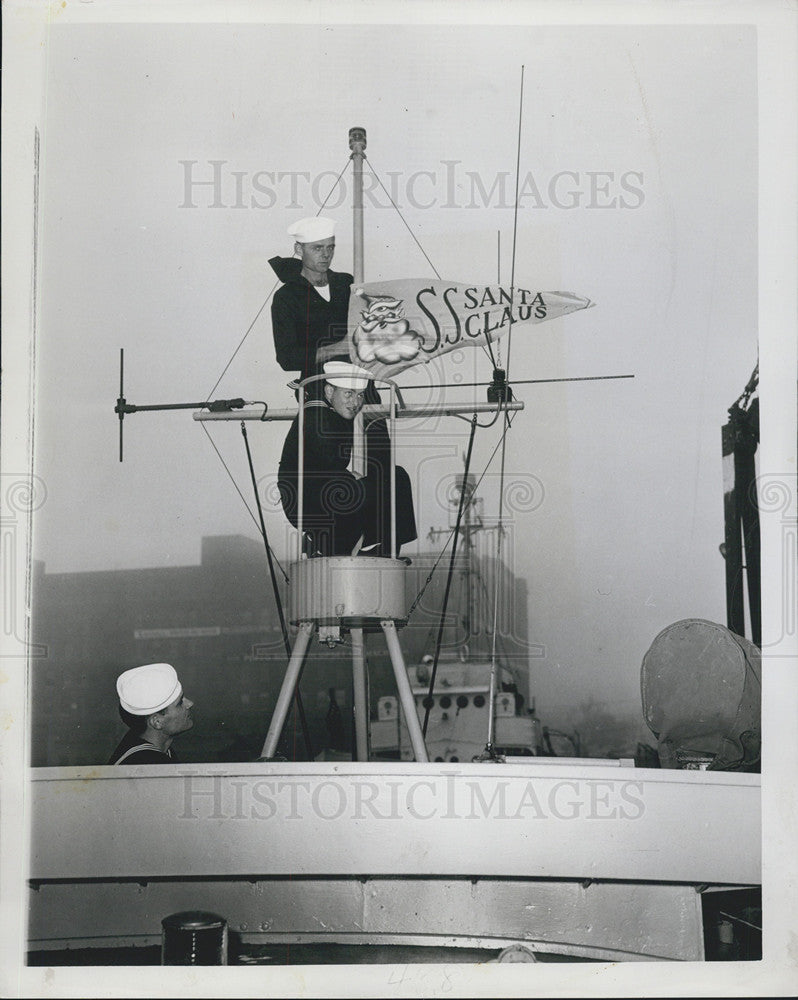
(357, 143)
(470, 524)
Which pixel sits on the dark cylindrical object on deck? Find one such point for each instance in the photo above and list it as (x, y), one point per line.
(194, 937)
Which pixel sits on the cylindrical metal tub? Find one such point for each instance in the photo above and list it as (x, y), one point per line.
(359, 591)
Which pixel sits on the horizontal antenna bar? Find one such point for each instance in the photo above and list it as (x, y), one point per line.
(122, 406)
(372, 411)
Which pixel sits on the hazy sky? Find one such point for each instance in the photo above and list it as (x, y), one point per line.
(639, 167)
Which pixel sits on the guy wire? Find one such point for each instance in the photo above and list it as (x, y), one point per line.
(500, 526)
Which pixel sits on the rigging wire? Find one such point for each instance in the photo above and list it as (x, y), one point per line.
(527, 381)
(489, 350)
(470, 545)
(230, 474)
(335, 184)
(460, 506)
(442, 553)
(241, 344)
(489, 752)
(399, 213)
(486, 598)
(499, 256)
(499, 539)
(515, 222)
(269, 555)
(277, 600)
(274, 288)
(243, 498)
(498, 362)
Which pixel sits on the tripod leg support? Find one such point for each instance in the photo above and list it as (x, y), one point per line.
(405, 694)
(287, 690)
(361, 702)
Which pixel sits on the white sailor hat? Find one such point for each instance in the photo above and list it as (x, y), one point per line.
(146, 690)
(345, 376)
(310, 230)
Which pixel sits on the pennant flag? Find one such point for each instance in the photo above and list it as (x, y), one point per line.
(396, 324)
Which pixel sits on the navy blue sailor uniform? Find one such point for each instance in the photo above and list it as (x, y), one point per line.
(337, 506)
(134, 749)
(303, 320)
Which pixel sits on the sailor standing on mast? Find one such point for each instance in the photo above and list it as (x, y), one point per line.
(310, 314)
(312, 307)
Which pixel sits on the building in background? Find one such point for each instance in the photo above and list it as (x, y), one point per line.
(217, 623)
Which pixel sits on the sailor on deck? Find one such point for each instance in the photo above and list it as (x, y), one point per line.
(155, 710)
(343, 514)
